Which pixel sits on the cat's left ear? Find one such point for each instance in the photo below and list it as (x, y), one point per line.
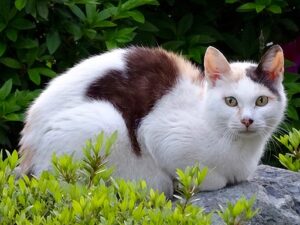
(272, 63)
(215, 65)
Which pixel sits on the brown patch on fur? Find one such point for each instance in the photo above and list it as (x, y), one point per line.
(262, 77)
(149, 74)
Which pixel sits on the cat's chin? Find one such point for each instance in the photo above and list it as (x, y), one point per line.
(247, 133)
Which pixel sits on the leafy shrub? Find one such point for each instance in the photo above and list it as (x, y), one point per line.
(82, 192)
(291, 141)
(291, 83)
(238, 213)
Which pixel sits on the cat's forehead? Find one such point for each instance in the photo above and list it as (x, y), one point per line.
(239, 69)
(246, 89)
(248, 72)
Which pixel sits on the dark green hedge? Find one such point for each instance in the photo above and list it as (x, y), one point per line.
(40, 38)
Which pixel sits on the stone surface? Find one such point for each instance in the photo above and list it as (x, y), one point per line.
(277, 195)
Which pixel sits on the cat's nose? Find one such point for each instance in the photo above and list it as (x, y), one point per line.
(247, 121)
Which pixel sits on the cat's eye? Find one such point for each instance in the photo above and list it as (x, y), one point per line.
(262, 101)
(231, 101)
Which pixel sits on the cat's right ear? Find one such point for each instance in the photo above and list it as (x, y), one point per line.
(215, 65)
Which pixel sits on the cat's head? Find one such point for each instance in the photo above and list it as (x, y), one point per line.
(245, 99)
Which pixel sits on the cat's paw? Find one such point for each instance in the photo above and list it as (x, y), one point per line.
(213, 181)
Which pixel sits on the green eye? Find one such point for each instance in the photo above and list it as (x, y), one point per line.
(231, 101)
(262, 101)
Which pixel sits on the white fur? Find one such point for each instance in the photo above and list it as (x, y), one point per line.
(188, 125)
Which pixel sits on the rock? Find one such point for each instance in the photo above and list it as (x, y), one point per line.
(277, 195)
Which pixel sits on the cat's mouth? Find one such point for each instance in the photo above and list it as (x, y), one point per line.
(247, 132)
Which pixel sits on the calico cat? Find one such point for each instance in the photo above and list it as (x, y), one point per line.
(167, 112)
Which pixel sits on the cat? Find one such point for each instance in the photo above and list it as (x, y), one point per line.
(167, 112)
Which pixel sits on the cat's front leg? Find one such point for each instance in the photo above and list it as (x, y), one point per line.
(213, 181)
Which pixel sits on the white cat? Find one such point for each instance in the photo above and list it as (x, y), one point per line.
(168, 114)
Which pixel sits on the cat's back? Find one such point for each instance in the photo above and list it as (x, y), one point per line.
(117, 75)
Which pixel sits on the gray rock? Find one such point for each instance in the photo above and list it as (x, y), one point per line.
(277, 195)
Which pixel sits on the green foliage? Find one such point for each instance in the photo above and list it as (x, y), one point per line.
(291, 141)
(82, 192)
(189, 181)
(12, 105)
(291, 82)
(239, 213)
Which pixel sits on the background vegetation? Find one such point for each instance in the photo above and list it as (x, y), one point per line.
(40, 38)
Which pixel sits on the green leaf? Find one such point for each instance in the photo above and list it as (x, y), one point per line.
(292, 112)
(14, 117)
(110, 141)
(77, 207)
(27, 43)
(131, 4)
(125, 35)
(90, 33)
(2, 48)
(274, 9)
(173, 45)
(34, 76)
(259, 8)
(77, 11)
(31, 8)
(13, 159)
(20, 4)
(11, 34)
(22, 24)
(5, 89)
(106, 13)
(5, 9)
(42, 9)
(201, 39)
(238, 209)
(91, 11)
(137, 16)
(246, 7)
(75, 30)
(185, 24)
(47, 72)
(53, 41)
(99, 142)
(11, 63)
(111, 44)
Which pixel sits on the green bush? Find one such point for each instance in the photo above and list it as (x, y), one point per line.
(291, 141)
(238, 213)
(40, 38)
(82, 192)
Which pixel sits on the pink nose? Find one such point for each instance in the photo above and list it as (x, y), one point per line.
(247, 122)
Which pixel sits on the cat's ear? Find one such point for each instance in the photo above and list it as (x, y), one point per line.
(272, 63)
(215, 64)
